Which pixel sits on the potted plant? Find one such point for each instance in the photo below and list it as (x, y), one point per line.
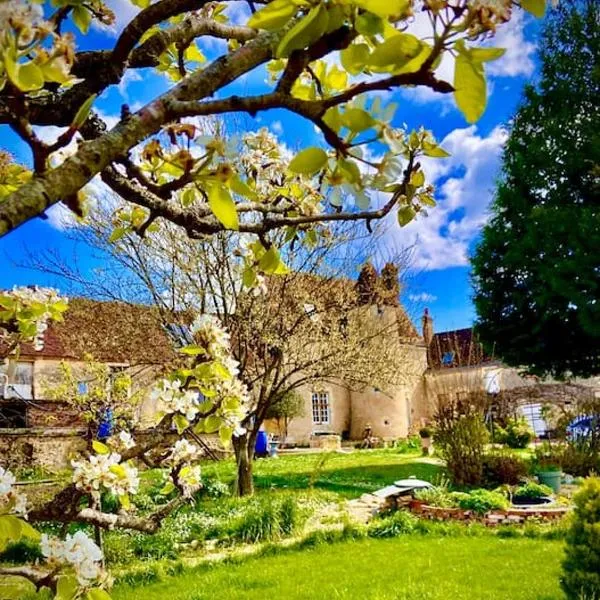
(426, 441)
(548, 468)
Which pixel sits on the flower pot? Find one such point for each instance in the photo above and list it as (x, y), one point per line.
(551, 479)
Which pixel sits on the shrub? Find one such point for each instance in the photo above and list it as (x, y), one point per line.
(460, 437)
(481, 501)
(581, 567)
(518, 434)
(579, 460)
(500, 468)
(436, 496)
(408, 445)
(398, 523)
(532, 490)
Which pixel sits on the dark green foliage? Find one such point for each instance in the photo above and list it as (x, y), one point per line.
(536, 269)
(398, 523)
(517, 433)
(23, 551)
(501, 468)
(581, 567)
(481, 501)
(532, 490)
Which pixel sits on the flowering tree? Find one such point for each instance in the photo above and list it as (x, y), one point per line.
(202, 394)
(325, 58)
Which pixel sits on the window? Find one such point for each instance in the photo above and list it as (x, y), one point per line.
(448, 358)
(16, 379)
(320, 408)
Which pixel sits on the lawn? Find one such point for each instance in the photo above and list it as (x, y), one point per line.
(405, 568)
(347, 474)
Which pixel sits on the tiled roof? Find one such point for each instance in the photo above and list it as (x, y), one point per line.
(458, 348)
(109, 332)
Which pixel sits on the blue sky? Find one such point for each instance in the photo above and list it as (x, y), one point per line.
(441, 242)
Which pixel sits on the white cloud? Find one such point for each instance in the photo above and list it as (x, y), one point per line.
(277, 127)
(422, 297)
(129, 76)
(518, 58)
(465, 184)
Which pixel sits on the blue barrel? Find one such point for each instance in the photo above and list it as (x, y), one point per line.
(260, 446)
(106, 425)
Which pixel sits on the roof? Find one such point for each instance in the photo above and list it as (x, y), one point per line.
(109, 332)
(457, 348)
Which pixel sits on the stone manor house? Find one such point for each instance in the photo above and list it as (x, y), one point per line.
(438, 367)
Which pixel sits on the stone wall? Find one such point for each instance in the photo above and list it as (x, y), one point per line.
(51, 448)
(512, 516)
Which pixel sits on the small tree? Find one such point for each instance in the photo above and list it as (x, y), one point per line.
(283, 411)
(581, 567)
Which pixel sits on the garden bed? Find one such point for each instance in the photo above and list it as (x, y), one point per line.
(496, 517)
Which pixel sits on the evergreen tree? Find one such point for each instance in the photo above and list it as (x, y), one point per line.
(537, 267)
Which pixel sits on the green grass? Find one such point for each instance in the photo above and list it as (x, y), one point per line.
(347, 474)
(405, 568)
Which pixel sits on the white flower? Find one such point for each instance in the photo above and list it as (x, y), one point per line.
(170, 398)
(78, 551)
(212, 336)
(183, 452)
(7, 480)
(126, 440)
(105, 471)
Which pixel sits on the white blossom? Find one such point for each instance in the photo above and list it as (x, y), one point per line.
(7, 480)
(170, 398)
(105, 471)
(78, 551)
(212, 336)
(183, 451)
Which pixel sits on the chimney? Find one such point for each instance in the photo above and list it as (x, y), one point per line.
(427, 327)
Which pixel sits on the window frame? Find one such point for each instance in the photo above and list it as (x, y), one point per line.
(321, 408)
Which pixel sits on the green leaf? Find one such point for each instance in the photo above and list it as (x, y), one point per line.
(212, 423)
(355, 57)
(100, 448)
(180, 422)
(384, 8)
(83, 112)
(125, 501)
(274, 15)
(223, 206)
(357, 119)
(305, 32)
(433, 150)
(486, 54)
(417, 178)
(27, 77)
(242, 188)
(141, 3)
(535, 7)
(66, 587)
(17, 587)
(469, 87)
(98, 594)
(192, 350)
(225, 433)
(167, 489)
(309, 161)
(396, 51)
(271, 263)
(82, 18)
(369, 24)
(117, 234)
(405, 215)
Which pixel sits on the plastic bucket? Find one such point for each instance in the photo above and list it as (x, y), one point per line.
(551, 479)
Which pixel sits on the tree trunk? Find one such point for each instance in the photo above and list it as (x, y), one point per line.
(243, 446)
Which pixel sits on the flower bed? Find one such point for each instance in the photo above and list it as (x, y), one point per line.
(496, 517)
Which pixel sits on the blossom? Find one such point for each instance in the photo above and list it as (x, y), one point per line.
(183, 451)
(170, 398)
(105, 471)
(126, 440)
(7, 480)
(212, 336)
(78, 551)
